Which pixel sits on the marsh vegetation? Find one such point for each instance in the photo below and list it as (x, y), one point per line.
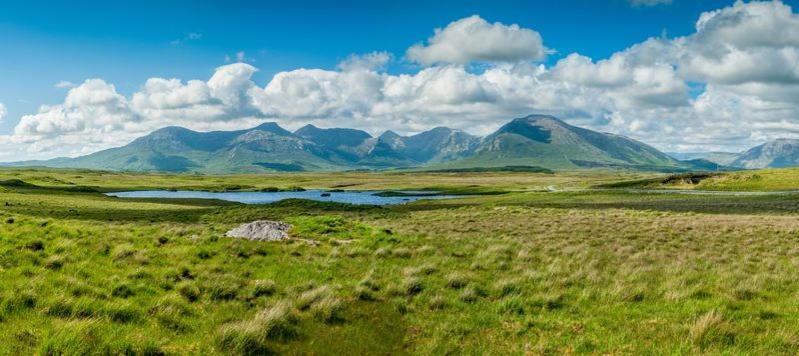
(527, 271)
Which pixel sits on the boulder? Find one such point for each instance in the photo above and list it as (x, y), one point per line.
(261, 230)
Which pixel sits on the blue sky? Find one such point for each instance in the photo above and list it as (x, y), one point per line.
(680, 75)
(44, 42)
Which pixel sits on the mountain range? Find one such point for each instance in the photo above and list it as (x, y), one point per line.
(779, 153)
(537, 140)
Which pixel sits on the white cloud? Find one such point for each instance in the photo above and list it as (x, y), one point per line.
(3, 111)
(64, 84)
(744, 85)
(94, 105)
(746, 43)
(474, 39)
(369, 61)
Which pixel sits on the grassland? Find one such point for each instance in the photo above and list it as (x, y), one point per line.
(764, 180)
(531, 271)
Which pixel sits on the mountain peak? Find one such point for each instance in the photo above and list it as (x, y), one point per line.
(778, 153)
(272, 127)
(170, 130)
(389, 135)
(540, 120)
(441, 129)
(539, 140)
(535, 127)
(307, 128)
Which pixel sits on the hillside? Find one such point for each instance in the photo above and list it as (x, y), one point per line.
(534, 141)
(551, 143)
(721, 158)
(773, 154)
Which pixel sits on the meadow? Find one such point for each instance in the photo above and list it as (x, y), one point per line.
(524, 263)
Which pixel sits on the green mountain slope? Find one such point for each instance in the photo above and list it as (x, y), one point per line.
(267, 147)
(547, 142)
(533, 141)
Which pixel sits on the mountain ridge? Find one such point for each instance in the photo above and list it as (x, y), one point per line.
(534, 140)
(778, 153)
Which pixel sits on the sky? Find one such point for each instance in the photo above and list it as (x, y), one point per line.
(680, 75)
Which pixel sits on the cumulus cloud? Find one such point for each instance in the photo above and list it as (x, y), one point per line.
(729, 85)
(94, 115)
(474, 39)
(3, 111)
(369, 61)
(94, 105)
(755, 42)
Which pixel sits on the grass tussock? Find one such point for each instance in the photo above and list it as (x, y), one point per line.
(253, 336)
(711, 329)
(90, 337)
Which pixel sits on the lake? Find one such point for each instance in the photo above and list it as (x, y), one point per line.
(351, 197)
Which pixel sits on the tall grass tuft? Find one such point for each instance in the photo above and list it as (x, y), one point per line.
(251, 337)
(710, 329)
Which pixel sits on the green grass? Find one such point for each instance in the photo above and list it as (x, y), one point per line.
(785, 179)
(575, 271)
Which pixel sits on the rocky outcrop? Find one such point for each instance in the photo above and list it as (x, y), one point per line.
(261, 230)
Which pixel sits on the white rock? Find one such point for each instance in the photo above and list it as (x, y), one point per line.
(261, 230)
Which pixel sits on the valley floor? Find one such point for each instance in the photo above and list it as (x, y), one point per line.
(547, 267)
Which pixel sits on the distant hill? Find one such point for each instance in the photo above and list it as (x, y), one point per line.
(547, 142)
(722, 158)
(537, 141)
(779, 153)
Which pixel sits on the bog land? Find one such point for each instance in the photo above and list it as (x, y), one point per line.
(586, 261)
